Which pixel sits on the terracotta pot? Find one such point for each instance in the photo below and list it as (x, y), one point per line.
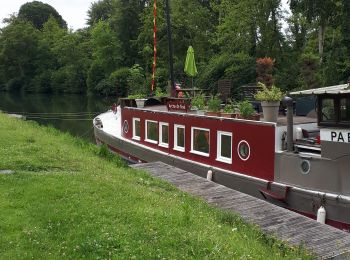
(229, 115)
(209, 113)
(255, 117)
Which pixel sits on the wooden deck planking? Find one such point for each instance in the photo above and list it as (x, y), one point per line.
(323, 240)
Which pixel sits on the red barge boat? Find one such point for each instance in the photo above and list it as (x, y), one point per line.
(245, 155)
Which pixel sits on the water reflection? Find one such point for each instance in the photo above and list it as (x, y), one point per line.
(72, 113)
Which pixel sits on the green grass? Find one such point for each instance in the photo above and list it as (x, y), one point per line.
(70, 199)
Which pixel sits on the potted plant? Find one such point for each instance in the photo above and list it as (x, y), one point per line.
(139, 98)
(198, 103)
(230, 110)
(270, 101)
(214, 105)
(247, 111)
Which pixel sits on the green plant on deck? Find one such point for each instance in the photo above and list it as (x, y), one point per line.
(160, 93)
(137, 96)
(198, 102)
(214, 104)
(246, 109)
(268, 94)
(230, 107)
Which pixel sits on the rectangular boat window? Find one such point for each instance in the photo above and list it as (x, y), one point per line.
(136, 129)
(164, 134)
(327, 109)
(151, 131)
(200, 141)
(224, 147)
(345, 109)
(179, 138)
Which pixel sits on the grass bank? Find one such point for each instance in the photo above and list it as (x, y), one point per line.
(68, 198)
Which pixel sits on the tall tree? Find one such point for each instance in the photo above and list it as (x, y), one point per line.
(38, 13)
(18, 53)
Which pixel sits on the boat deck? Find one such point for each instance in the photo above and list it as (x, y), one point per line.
(282, 120)
(322, 240)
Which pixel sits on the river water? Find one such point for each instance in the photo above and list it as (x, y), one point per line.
(68, 113)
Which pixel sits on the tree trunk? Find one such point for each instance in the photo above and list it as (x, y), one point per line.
(321, 36)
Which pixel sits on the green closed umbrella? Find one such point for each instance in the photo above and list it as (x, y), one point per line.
(190, 64)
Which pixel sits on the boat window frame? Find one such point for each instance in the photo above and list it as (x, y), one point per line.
(336, 99)
(239, 153)
(176, 147)
(161, 143)
(146, 131)
(219, 156)
(134, 136)
(192, 141)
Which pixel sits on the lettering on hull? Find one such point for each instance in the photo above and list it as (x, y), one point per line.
(335, 135)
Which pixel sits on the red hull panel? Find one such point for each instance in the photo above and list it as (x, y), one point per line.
(260, 137)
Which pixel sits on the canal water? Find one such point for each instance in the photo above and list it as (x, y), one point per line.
(69, 113)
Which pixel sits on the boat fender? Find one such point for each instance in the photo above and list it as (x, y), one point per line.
(210, 175)
(299, 133)
(114, 108)
(321, 215)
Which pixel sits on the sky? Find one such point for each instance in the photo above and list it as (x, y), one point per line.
(74, 12)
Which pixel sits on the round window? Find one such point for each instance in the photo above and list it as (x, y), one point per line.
(243, 150)
(305, 166)
(125, 127)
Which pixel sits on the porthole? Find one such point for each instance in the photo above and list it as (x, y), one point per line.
(243, 150)
(125, 127)
(305, 166)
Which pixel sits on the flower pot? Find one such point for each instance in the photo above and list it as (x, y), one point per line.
(229, 115)
(140, 102)
(270, 110)
(209, 113)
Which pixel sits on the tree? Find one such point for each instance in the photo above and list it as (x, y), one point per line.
(18, 53)
(321, 13)
(38, 13)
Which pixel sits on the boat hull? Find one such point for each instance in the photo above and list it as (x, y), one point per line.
(302, 201)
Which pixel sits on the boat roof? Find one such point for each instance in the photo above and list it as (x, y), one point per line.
(337, 89)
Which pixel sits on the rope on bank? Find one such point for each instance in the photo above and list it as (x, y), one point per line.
(67, 116)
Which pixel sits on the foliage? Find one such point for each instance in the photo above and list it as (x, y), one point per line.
(18, 54)
(198, 102)
(268, 94)
(136, 96)
(70, 199)
(119, 79)
(39, 54)
(230, 107)
(38, 13)
(214, 104)
(264, 68)
(246, 109)
(136, 81)
(160, 93)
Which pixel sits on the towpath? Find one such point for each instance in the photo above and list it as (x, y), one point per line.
(324, 241)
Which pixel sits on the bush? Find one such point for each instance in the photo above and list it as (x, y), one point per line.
(119, 79)
(105, 87)
(136, 80)
(94, 76)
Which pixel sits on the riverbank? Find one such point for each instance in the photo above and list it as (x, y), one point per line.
(68, 198)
